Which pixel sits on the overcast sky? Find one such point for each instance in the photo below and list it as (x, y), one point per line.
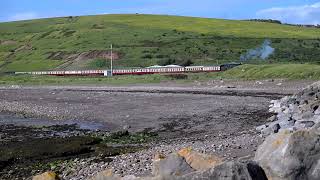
(289, 11)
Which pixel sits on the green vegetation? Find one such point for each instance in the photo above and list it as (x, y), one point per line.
(124, 137)
(53, 153)
(244, 72)
(98, 63)
(144, 40)
(273, 71)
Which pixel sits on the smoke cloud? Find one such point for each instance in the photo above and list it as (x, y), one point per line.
(261, 52)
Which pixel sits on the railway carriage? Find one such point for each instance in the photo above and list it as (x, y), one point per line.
(137, 71)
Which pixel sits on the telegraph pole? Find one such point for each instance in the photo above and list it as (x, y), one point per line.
(111, 60)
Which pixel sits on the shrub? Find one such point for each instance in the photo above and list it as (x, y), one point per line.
(164, 62)
(187, 62)
(177, 76)
(160, 56)
(147, 56)
(99, 63)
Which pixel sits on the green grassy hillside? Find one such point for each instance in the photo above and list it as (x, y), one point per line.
(144, 40)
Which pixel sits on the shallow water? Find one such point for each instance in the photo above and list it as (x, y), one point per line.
(21, 121)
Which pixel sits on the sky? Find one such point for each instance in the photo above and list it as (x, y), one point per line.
(287, 11)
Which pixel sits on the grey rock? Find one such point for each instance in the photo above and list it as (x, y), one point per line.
(307, 115)
(260, 128)
(290, 156)
(276, 128)
(297, 112)
(308, 124)
(272, 118)
(267, 131)
(174, 164)
(284, 117)
(285, 124)
(232, 170)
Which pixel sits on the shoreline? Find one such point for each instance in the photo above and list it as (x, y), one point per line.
(212, 120)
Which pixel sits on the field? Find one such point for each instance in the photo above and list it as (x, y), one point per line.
(144, 40)
(244, 72)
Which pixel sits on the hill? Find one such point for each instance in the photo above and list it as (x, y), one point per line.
(144, 40)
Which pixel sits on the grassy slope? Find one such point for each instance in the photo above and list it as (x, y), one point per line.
(244, 72)
(286, 71)
(145, 40)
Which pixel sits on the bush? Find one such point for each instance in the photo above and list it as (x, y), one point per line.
(177, 76)
(99, 63)
(147, 56)
(160, 56)
(187, 62)
(165, 62)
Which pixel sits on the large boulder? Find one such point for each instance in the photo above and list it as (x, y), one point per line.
(178, 166)
(109, 175)
(199, 161)
(291, 155)
(106, 175)
(232, 170)
(46, 176)
(174, 164)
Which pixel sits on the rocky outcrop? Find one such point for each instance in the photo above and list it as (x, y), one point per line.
(291, 156)
(46, 176)
(188, 164)
(300, 111)
(174, 164)
(232, 170)
(199, 161)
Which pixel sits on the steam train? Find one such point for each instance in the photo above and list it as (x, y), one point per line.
(137, 71)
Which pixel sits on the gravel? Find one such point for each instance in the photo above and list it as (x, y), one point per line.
(210, 117)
